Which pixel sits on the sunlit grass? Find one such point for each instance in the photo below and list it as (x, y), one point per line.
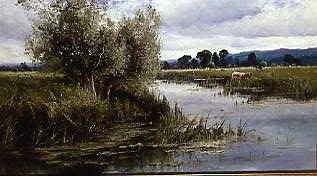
(295, 82)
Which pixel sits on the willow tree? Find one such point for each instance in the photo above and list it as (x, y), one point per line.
(79, 36)
(139, 49)
(75, 34)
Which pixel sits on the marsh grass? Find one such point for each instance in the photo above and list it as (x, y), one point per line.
(293, 82)
(43, 109)
(175, 128)
(40, 110)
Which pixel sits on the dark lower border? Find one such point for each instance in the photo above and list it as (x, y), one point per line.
(279, 172)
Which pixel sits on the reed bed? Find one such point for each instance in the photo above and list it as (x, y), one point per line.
(293, 82)
(175, 128)
(43, 109)
(37, 113)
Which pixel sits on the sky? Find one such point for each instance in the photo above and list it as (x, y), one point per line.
(193, 25)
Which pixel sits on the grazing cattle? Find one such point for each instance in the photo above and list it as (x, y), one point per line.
(259, 69)
(241, 75)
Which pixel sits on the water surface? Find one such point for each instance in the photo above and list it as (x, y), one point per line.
(284, 135)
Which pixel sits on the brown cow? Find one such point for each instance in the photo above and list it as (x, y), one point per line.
(241, 75)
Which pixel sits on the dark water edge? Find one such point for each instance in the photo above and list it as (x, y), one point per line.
(93, 156)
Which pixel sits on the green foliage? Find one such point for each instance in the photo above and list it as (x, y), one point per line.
(76, 37)
(140, 44)
(164, 65)
(223, 53)
(216, 59)
(252, 59)
(263, 63)
(194, 63)
(205, 58)
(290, 59)
(184, 62)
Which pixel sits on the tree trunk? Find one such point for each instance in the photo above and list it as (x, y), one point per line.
(108, 91)
(111, 87)
(89, 83)
(92, 83)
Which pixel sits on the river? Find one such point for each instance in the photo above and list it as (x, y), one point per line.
(282, 136)
(283, 130)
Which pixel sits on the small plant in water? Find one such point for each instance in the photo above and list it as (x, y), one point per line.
(177, 129)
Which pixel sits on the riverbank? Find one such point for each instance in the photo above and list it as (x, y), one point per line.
(44, 109)
(56, 125)
(136, 130)
(295, 82)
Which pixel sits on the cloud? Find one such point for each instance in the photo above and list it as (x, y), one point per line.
(14, 26)
(236, 25)
(202, 13)
(193, 25)
(121, 8)
(256, 18)
(289, 19)
(12, 51)
(13, 21)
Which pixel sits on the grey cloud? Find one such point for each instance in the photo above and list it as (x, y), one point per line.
(12, 51)
(256, 18)
(293, 19)
(192, 25)
(201, 12)
(14, 26)
(121, 8)
(13, 21)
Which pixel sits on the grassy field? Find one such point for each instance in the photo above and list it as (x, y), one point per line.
(44, 109)
(294, 82)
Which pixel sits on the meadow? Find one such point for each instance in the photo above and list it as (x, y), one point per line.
(295, 82)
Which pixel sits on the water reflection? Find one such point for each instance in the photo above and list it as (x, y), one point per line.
(286, 129)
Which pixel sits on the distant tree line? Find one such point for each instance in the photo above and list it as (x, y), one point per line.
(291, 60)
(20, 67)
(207, 59)
(203, 59)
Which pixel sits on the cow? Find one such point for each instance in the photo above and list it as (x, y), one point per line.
(241, 75)
(259, 69)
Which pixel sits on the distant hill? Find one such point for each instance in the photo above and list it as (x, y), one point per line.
(171, 61)
(307, 56)
(17, 64)
(19, 67)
